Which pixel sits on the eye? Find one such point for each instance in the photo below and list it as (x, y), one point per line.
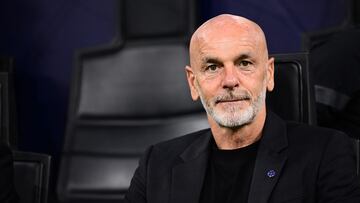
(211, 68)
(245, 63)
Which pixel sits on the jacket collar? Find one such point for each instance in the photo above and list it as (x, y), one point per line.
(198, 147)
(270, 159)
(188, 176)
(274, 133)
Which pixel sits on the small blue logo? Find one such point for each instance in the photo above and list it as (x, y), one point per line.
(271, 173)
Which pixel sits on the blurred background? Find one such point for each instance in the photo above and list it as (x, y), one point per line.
(43, 36)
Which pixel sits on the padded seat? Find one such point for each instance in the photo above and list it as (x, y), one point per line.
(293, 95)
(31, 176)
(126, 96)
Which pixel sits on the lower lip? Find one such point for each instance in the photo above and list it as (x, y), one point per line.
(232, 102)
(240, 100)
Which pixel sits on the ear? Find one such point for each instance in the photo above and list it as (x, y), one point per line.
(191, 81)
(270, 74)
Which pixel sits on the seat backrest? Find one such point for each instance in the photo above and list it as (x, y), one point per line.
(119, 112)
(293, 96)
(8, 130)
(31, 176)
(127, 96)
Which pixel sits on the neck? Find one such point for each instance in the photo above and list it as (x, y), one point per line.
(234, 138)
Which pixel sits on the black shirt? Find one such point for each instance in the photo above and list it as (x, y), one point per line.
(228, 175)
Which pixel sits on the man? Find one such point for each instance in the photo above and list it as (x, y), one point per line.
(7, 188)
(248, 154)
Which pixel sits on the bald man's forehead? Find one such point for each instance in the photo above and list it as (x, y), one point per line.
(228, 46)
(225, 28)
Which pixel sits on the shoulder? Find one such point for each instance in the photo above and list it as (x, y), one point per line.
(181, 143)
(315, 138)
(301, 136)
(164, 155)
(300, 130)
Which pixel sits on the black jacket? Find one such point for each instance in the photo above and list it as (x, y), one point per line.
(295, 163)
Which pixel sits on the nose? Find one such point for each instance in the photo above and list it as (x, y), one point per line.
(230, 79)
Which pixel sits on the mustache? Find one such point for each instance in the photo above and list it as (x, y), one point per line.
(232, 96)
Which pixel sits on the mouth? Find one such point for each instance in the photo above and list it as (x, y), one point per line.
(232, 100)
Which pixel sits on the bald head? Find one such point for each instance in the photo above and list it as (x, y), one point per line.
(230, 71)
(227, 27)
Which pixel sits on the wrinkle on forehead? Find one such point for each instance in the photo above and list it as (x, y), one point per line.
(225, 27)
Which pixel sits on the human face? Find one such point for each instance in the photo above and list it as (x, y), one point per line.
(230, 73)
(232, 116)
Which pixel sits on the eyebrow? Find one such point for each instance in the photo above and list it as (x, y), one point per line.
(211, 60)
(243, 56)
(216, 60)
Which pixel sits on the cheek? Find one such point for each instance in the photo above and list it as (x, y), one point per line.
(255, 84)
(207, 89)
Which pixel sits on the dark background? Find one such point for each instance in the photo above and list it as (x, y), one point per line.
(44, 35)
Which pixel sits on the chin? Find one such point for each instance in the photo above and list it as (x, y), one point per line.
(231, 120)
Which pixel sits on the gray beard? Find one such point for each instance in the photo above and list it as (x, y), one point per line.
(234, 118)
